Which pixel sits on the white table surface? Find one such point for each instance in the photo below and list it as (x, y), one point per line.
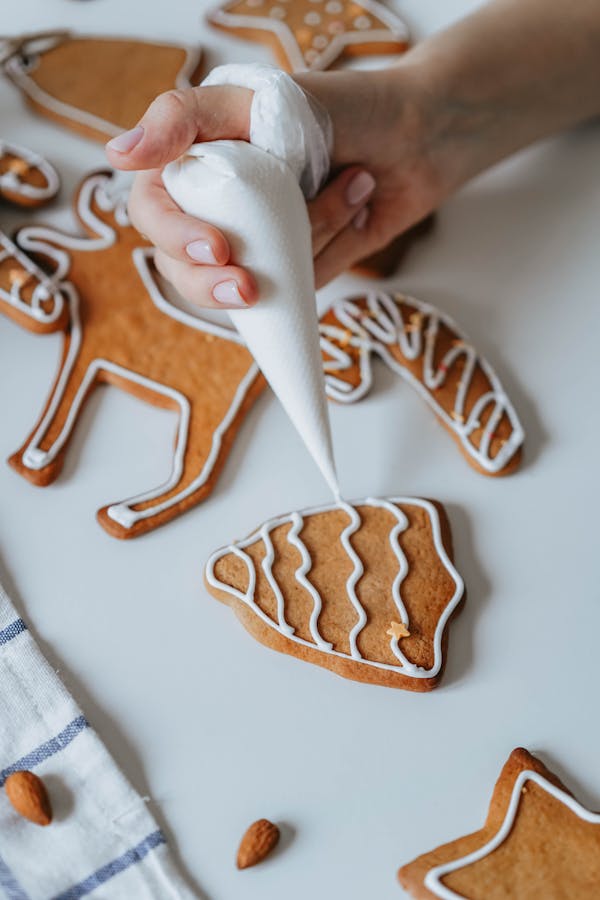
(218, 729)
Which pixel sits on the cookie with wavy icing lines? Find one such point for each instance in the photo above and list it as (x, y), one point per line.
(97, 86)
(101, 292)
(426, 348)
(313, 34)
(538, 843)
(26, 178)
(365, 589)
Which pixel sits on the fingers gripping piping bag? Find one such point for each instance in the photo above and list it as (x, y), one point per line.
(255, 193)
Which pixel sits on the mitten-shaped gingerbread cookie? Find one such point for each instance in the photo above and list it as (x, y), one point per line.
(96, 86)
(26, 178)
(427, 349)
(119, 329)
(365, 589)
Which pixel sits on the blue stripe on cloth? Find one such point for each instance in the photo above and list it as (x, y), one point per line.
(12, 630)
(118, 865)
(9, 884)
(54, 745)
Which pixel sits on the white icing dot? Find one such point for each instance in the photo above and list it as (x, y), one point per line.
(320, 42)
(334, 7)
(312, 18)
(277, 12)
(336, 27)
(311, 56)
(362, 23)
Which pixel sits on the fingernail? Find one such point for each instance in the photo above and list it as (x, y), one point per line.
(228, 293)
(201, 252)
(360, 219)
(124, 143)
(359, 188)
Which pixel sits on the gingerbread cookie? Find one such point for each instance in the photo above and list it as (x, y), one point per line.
(365, 589)
(425, 347)
(27, 294)
(538, 843)
(307, 35)
(26, 178)
(386, 261)
(119, 329)
(98, 87)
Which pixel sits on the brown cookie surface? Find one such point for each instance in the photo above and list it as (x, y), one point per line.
(98, 86)
(427, 349)
(537, 843)
(118, 328)
(366, 589)
(313, 34)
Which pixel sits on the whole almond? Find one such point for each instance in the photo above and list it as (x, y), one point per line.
(258, 841)
(29, 797)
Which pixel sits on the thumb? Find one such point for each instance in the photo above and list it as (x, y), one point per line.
(176, 120)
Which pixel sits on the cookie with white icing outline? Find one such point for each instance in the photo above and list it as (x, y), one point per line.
(364, 589)
(97, 86)
(310, 35)
(26, 178)
(426, 348)
(102, 293)
(538, 843)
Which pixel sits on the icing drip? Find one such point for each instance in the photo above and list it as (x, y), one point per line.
(354, 577)
(382, 326)
(301, 573)
(405, 666)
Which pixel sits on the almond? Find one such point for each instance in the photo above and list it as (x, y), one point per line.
(29, 797)
(258, 841)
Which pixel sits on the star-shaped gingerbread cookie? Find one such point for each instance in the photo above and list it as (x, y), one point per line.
(313, 34)
(103, 295)
(26, 178)
(366, 589)
(426, 348)
(538, 843)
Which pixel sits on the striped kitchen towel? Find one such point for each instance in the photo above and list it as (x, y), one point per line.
(103, 841)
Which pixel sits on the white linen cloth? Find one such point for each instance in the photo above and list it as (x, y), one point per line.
(103, 841)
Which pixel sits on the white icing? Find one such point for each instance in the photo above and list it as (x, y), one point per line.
(392, 29)
(11, 182)
(35, 239)
(44, 290)
(383, 328)
(301, 577)
(404, 667)
(434, 876)
(18, 72)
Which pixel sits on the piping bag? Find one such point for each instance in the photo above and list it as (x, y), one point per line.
(256, 194)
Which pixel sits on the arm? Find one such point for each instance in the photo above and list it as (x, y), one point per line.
(405, 137)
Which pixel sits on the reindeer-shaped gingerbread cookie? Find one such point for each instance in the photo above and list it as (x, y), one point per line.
(119, 329)
(425, 347)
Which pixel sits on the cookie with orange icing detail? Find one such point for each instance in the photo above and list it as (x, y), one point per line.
(364, 589)
(313, 34)
(26, 178)
(103, 295)
(97, 86)
(538, 843)
(426, 348)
